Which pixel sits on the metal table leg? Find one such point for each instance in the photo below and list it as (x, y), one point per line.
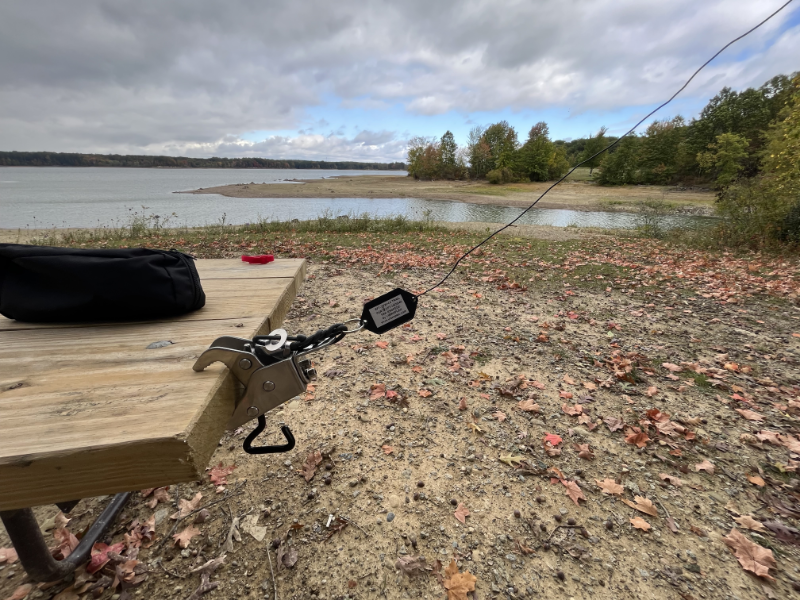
(26, 536)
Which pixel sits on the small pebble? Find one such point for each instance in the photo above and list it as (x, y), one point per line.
(585, 533)
(558, 518)
(517, 514)
(609, 525)
(390, 517)
(542, 526)
(546, 546)
(454, 502)
(560, 575)
(540, 499)
(570, 521)
(416, 496)
(420, 484)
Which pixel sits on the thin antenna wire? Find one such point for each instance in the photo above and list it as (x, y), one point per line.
(611, 145)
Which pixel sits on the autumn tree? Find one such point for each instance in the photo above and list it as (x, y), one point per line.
(534, 156)
(724, 158)
(593, 145)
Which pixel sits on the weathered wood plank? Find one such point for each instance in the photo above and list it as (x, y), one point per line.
(90, 410)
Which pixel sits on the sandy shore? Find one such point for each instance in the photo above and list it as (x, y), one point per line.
(568, 195)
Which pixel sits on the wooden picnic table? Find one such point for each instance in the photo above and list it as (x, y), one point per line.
(88, 410)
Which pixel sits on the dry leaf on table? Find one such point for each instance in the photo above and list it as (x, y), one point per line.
(640, 523)
(642, 504)
(461, 513)
(751, 556)
(458, 584)
(609, 486)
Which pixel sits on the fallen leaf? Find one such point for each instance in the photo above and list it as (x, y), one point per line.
(672, 367)
(642, 504)
(441, 336)
(749, 414)
(537, 384)
(673, 526)
(751, 556)
(458, 584)
(528, 406)
(187, 506)
(8, 555)
(500, 416)
(573, 491)
(750, 523)
(639, 439)
(67, 542)
(474, 427)
(614, 423)
(289, 558)
(310, 466)
(159, 495)
(219, 474)
(589, 385)
(411, 565)
(462, 405)
(184, 537)
(697, 531)
(564, 394)
(387, 449)
(572, 410)
(552, 439)
(510, 460)
(640, 523)
(377, 390)
(569, 380)
(706, 465)
(652, 391)
(461, 513)
(100, 555)
(676, 481)
(584, 451)
(21, 592)
(382, 344)
(609, 486)
(424, 393)
(784, 533)
(756, 480)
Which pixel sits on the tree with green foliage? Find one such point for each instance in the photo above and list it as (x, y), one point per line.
(501, 138)
(448, 157)
(558, 165)
(593, 145)
(424, 161)
(724, 158)
(621, 166)
(478, 153)
(533, 158)
(661, 150)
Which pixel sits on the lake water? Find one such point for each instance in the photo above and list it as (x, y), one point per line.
(43, 197)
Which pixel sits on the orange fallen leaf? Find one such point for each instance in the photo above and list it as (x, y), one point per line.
(458, 584)
(750, 523)
(553, 439)
(640, 523)
(751, 556)
(589, 385)
(564, 394)
(187, 506)
(382, 344)
(569, 380)
(672, 367)
(461, 513)
(387, 449)
(584, 451)
(310, 466)
(425, 393)
(462, 405)
(609, 486)
(441, 336)
(573, 491)
(572, 410)
(184, 537)
(652, 391)
(537, 384)
(756, 480)
(528, 406)
(642, 504)
(377, 390)
(676, 481)
(219, 474)
(8, 555)
(706, 466)
(750, 415)
(639, 439)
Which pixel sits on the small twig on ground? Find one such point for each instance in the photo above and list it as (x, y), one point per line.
(354, 524)
(272, 573)
(168, 572)
(197, 510)
(552, 533)
(664, 508)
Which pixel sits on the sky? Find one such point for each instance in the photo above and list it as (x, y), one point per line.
(354, 80)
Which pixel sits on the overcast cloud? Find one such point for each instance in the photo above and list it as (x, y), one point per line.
(354, 79)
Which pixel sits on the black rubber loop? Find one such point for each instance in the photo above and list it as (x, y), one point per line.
(262, 423)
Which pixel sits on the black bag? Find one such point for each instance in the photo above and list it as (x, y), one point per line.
(44, 284)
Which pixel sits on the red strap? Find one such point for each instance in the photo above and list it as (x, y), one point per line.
(261, 259)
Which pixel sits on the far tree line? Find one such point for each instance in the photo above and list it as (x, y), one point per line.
(725, 143)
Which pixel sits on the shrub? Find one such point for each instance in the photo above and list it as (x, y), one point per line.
(502, 175)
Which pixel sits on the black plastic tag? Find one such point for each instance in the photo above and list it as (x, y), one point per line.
(388, 311)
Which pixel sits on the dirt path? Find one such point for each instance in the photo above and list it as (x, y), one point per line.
(452, 411)
(571, 195)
